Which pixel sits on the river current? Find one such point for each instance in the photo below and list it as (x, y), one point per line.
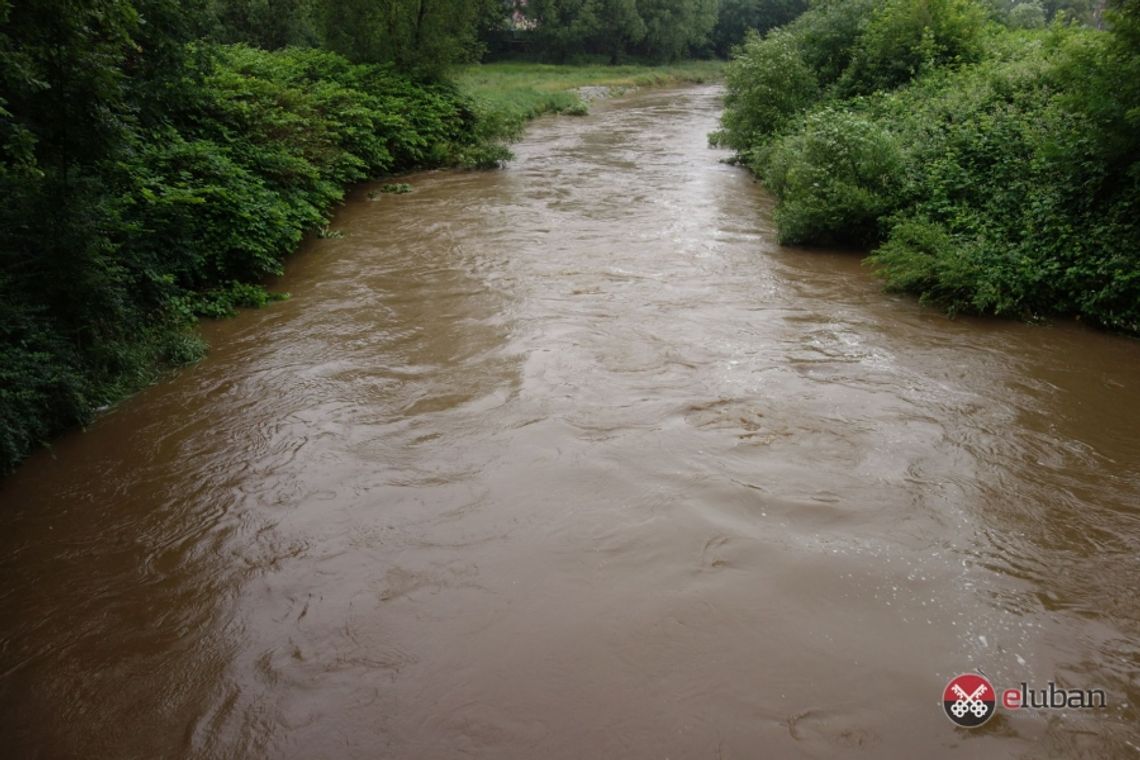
(572, 460)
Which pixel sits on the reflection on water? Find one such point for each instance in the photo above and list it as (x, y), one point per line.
(571, 460)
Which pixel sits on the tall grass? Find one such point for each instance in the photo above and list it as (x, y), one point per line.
(507, 95)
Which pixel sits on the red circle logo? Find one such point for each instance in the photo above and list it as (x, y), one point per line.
(969, 700)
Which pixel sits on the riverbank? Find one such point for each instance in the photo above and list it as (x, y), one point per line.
(182, 216)
(186, 216)
(325, 541)
(996, 175)
(508, 95)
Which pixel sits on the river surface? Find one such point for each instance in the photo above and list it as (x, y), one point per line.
(571, 460)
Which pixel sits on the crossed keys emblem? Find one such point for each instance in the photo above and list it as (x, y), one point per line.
(969, 702)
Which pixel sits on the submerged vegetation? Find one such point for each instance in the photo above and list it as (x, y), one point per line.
(993, 170)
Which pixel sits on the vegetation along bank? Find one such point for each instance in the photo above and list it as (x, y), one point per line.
(988, 155)
(159, 159)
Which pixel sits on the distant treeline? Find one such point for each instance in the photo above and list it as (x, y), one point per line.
(991, 161)
(418, 36)
(425, 34)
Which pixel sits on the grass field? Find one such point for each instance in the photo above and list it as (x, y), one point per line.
(510, 94)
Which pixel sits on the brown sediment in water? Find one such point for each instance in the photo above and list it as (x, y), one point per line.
(572, 460)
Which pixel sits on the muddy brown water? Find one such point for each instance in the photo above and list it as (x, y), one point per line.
(572, 461)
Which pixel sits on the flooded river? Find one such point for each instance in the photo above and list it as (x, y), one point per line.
(571, 460)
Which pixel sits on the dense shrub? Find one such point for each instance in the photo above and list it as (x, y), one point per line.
(836, 176)
(828, 35)
(1009, 185)
(1041, 209)
(907, 37)
(768, 84)
(114, 240)
(1026, 16)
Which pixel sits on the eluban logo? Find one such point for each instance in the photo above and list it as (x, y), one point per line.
(1052, 698)
(970, 700)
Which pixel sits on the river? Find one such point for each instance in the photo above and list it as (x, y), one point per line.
(571, 460)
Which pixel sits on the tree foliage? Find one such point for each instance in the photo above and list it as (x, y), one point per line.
(674, 28)
(650, 29)
(768, 84)
(737, 18)
(906, 37)
(419, 35)
(1026, 16)
(423, 36)
(148, 178)
(997, 171)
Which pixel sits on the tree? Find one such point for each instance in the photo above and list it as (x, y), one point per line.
(769, 84)
(905, 37)
(737, 17)
(83, 82)
(566, 28)
(674, 28)
(267, 24)
(1027, 16)
(424, 36)
(655, 29)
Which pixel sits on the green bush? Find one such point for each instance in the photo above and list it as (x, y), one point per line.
(907, 37)
(1041, 207)
(922, 257)
(108, 261)
(829, 33)
(768, 84)
(1026, 16)
(999, 170)
(835, 177)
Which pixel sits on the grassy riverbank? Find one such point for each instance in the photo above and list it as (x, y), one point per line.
(510, 94)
